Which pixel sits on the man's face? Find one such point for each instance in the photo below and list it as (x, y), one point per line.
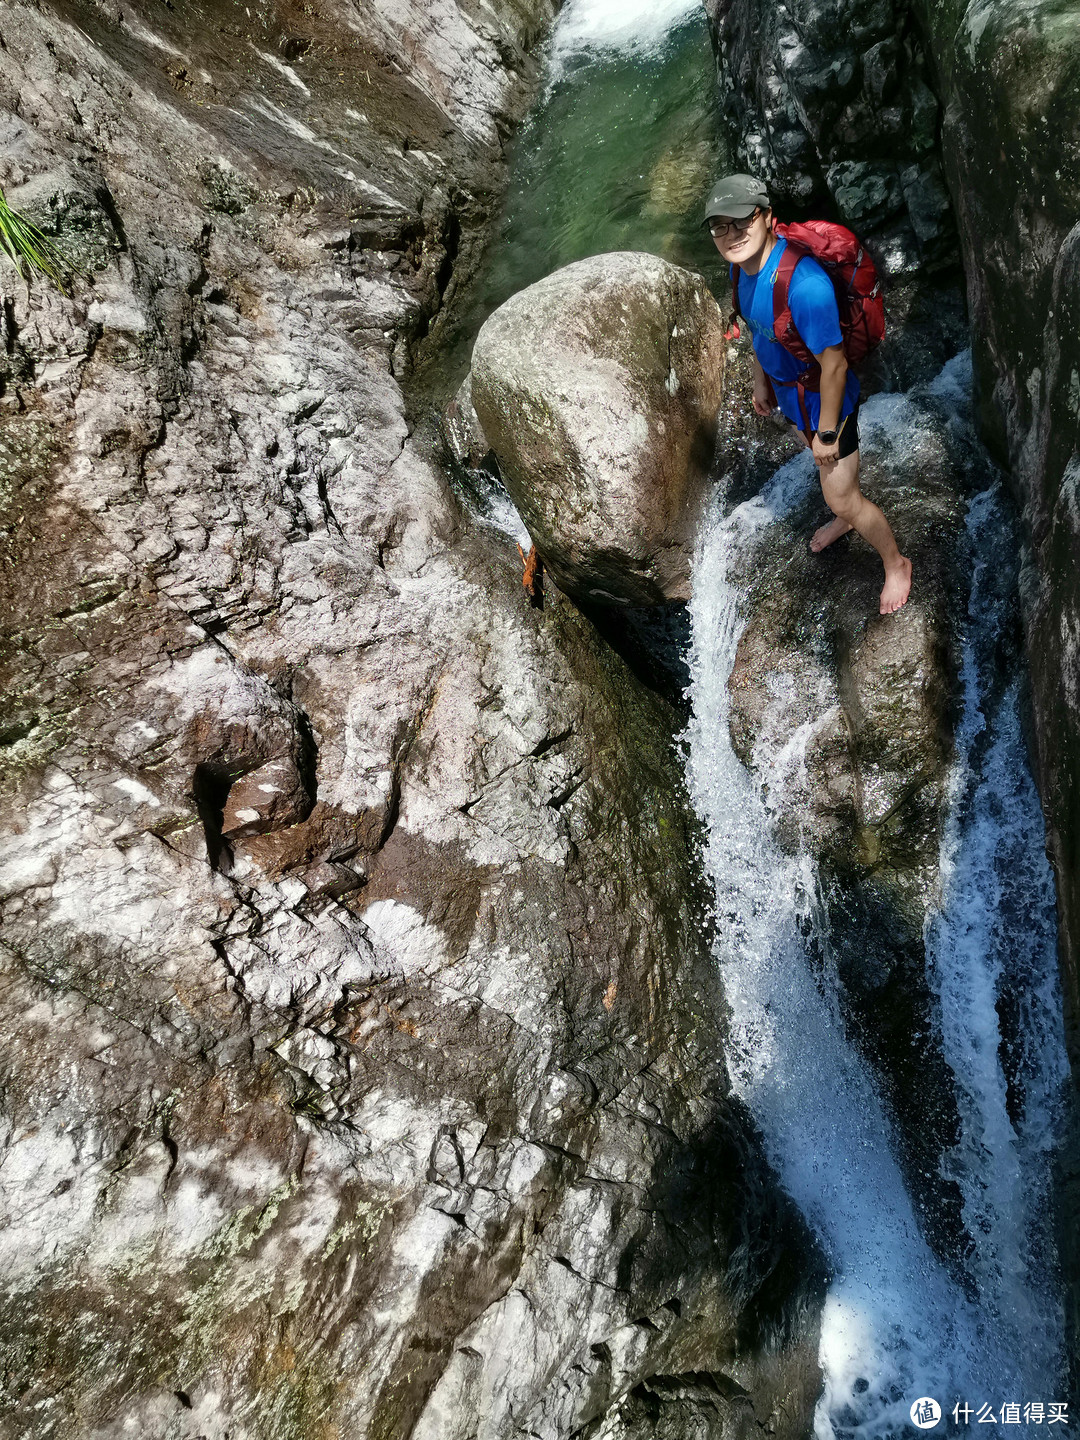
(740, 241)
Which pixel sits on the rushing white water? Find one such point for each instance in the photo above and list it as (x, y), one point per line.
(628, 25)
(995, 937)
(896, 1326)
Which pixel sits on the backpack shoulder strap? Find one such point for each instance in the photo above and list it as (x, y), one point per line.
(784, 327)
(735, 273)
(782, 281)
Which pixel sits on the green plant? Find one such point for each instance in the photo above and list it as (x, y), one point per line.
(26, 247)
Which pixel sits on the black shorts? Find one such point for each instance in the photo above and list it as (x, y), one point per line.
(849, 434)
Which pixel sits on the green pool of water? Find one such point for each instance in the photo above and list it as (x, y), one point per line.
(617, 154)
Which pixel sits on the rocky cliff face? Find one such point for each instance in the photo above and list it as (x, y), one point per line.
(831, 102)
(362, 1070)
(1009, 78)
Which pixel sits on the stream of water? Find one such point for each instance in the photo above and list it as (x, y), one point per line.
(617, 155)
(897, 1327)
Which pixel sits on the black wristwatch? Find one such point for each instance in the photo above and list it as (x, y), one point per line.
(828, 437)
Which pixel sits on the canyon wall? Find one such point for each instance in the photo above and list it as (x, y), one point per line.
(982, 94)
(363, 1065)
(1009, 80)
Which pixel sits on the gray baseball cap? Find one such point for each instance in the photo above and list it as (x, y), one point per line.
(737, 196)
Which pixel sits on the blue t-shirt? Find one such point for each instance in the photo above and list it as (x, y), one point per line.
(813, 308)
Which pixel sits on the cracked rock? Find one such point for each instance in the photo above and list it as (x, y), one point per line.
(265, 799)
(256, 652)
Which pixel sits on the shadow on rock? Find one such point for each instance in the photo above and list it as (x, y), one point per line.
(704, 1379)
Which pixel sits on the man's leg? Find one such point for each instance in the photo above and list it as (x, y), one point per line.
(824, 535)
(853, 511)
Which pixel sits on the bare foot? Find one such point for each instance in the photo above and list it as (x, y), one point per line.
(897, 586)
(828, 533)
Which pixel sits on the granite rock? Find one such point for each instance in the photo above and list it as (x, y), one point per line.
(404, 1098)
(831, 106)
(599, 389)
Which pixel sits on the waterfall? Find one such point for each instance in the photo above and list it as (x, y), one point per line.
(896, 1326)
(627, 25)
(617, 156)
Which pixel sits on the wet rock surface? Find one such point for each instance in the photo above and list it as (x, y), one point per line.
(363, 1070)
(846, 718)
(833, 102)
(1009, 78)
(598, 389)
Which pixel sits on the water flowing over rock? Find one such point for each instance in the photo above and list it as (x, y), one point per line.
(1009, 80)
(985, 95)
(845, 717)
(363, 1070)
(888, 939)
(598, 389)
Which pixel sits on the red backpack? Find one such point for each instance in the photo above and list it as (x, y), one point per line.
(858, 293)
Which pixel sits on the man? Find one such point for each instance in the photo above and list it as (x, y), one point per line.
(740, 220)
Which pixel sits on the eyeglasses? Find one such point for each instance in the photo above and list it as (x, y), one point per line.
(719, 228)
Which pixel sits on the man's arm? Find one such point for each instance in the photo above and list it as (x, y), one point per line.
(833, 382)
(762, 394)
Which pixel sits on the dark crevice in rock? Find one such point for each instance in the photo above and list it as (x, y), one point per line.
(210, 790)
(87, 607)
(307, 759)
(557, 801)
(654, 642)
(12, 734)
(549, 742)
(451, 242)
(11, 329)
(328, 509)
(108, 204)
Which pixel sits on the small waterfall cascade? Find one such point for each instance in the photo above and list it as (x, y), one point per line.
(586, 26)
(897, 1326)
(618, 155)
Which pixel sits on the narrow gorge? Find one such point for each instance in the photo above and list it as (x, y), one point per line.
(438, 1013)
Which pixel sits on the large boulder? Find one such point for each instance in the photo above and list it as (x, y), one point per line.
(598, 389)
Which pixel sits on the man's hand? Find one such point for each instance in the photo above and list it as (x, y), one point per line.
(763, 404)
(833, 381)
(825, 454)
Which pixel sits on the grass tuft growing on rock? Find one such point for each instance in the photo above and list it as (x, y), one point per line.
(27, 248)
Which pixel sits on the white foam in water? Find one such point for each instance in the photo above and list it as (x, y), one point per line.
(617, 25)
(997, 926)
(502, 514)
(896, 1326)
